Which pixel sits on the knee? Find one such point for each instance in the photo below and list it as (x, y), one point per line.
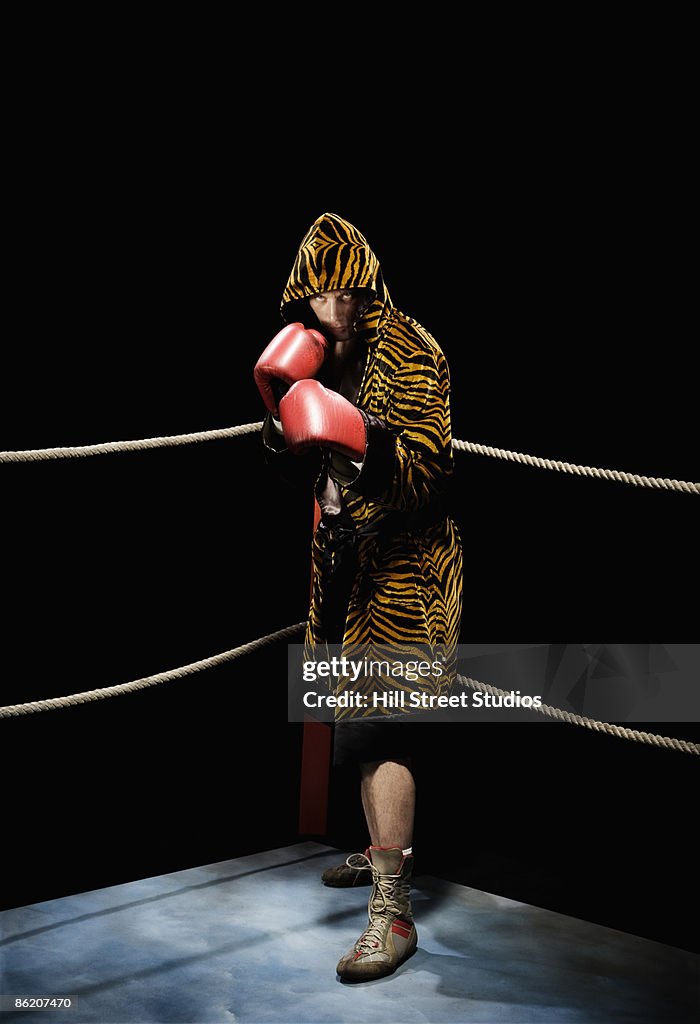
(368, 769)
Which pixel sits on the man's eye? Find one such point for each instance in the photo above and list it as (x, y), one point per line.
(319, 298)
(346, 296)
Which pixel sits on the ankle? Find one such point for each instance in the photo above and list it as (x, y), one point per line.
(408, 852)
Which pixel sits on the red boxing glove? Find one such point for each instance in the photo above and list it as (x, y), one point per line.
(292, 355)
(312, 415)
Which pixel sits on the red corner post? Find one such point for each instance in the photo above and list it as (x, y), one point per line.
(315, 763)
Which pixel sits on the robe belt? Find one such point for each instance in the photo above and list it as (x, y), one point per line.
(342, 540)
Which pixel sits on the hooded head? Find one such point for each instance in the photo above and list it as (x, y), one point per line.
(334, 256)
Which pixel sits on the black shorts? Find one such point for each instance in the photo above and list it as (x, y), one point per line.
(355, 742)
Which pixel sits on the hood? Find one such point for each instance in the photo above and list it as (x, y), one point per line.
(334, 254)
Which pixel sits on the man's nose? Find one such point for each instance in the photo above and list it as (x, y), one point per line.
(334, 312)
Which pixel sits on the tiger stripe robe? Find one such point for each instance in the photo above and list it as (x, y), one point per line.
(407, 590)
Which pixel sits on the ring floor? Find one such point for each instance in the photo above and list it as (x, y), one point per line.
(256, 939)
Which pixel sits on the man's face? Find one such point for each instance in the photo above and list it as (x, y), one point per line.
(337, 311)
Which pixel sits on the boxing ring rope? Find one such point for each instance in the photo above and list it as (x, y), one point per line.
(133, 686)
(86, 697)
(568, 467)
(622, 732)
(110, 447)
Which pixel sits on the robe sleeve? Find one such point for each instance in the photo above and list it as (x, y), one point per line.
(408, 461)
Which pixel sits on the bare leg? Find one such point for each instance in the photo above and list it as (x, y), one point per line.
(389, 800)
(388, 797)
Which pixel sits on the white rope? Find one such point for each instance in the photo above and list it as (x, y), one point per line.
(591, 723)
(567, 467)
(140, 684)
(110, 447)
(88, 696)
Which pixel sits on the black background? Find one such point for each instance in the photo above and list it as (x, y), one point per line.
(147, 248)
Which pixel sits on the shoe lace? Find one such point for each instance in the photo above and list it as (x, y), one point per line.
(386, 890)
